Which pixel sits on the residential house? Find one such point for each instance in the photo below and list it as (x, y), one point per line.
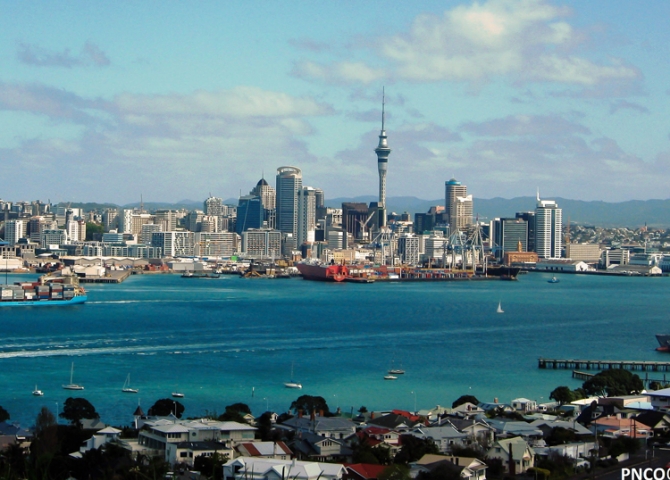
(465, 467)
(617, 426)
(394, 421)
(277, 450)
(331, 427)
(516, 454)
(316, 448)
(445, 437)
(12, 433)
(660, 399)
(524, 405)
(363, 471)
(253, 468)
(657, 421)
(187, 452)
(477, 429)
(515, 428)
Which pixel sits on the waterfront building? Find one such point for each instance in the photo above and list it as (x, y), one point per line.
(174, 244)
(337, 239)
(147, 231)
(289, 182)
(14, 230)
(434, 247)
(262, 243)
(249, 213)
(548, 229)
(617, 256)
(586, 252)
(458, 205)
(519, 256)
(529, 218)
(306, 215)
(215, 244)
(76, 230)
(408, 249)
(507, 233)
(52, 238)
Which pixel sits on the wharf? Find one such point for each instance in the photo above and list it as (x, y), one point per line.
(113, 276)
(577, 364)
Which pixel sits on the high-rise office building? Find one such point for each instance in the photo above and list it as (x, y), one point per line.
(214, 206)
(268, 196)
(548, 229)
(289, 182)
(306, 215)
(507, 234)
(457, 205)
(529, 218)
(249, 213)
(14, 230)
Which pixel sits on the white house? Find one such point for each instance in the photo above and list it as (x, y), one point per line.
(252, 468)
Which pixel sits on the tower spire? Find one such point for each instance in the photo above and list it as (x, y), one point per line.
(383, 151)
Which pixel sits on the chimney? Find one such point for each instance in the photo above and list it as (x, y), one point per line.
(372, 416)
(320, 413)
(300, 413)
(313, 415)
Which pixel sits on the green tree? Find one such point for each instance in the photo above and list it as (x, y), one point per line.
(394, 472)
(4, 415)
(235, 413)
(613, 382)
(562, 395)
(166, 406)
(413, 448)
(560, 436)
(94, 231)
(465, 399)
(211, 467)
(76, 409)
(309, 404)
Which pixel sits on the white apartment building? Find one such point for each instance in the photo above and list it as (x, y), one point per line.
(174, 244)
(548, 229)
(14, 230)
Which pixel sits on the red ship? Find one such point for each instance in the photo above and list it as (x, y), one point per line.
(325, 273)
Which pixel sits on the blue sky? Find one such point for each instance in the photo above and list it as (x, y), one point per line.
(110, 101)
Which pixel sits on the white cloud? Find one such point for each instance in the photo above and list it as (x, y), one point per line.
(520, 40)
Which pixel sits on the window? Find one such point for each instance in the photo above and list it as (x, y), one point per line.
(182, 454)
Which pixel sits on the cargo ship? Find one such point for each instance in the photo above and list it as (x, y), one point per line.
(361, 274)
(57, 291)
(324, 273)
(663, 342)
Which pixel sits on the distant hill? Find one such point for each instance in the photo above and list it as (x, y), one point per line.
(633, 213)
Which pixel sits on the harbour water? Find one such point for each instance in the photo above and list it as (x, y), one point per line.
(227, 340)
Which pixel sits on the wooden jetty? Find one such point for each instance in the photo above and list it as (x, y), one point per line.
(580, 364)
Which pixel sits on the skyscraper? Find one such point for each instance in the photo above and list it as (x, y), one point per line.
(268, 196)
(307, 199)
(289, 181)
(548, 229)
(457, 205)
(383, 151)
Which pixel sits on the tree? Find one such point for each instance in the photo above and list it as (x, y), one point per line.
(562, 395)
(76, 409)
(4, 415)
(235, 413)
(413, 448)
(617, 381)
(394, 472)
(211, 467)
(166, 406)
(309, 404)
(465, 399)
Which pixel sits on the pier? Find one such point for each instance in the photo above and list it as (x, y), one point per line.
(577, 364)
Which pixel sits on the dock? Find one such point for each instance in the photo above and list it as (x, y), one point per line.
(577, 364)
(113, 276)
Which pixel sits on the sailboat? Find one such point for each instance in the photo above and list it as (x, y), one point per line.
(500, 310)
(292, 383)
(37, 392)
(395, 371)
(126, 386)
(72, 385)
(177, 394)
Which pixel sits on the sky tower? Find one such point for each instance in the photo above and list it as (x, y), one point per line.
(383, 151)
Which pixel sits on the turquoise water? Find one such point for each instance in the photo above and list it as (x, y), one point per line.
(227, 340)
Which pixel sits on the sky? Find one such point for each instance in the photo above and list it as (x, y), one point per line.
(168, 101)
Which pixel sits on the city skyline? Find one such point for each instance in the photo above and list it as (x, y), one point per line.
(171, 102)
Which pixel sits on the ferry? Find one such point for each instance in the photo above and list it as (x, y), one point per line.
(55, 291)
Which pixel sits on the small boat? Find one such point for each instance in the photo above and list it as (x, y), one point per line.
(553, 280)
(390, 377)
(126, 386)
(72, 385)
(292, 383)
(396, 371)
(37, 392)
(500, 310)
(177, 395)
